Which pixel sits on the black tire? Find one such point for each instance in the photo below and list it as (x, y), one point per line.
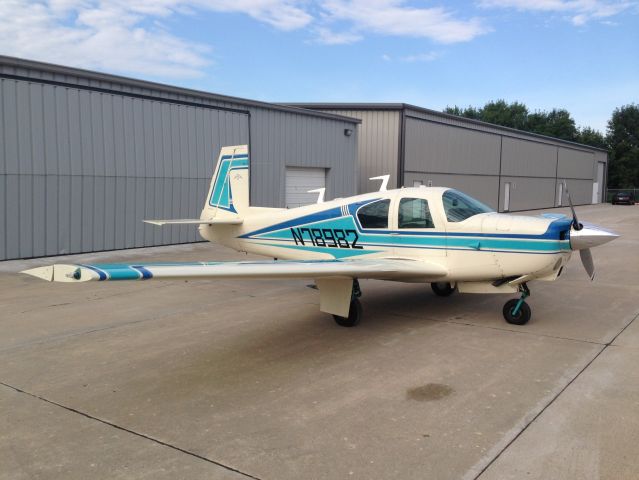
(442, 289)
(354, 315)
(523, 315)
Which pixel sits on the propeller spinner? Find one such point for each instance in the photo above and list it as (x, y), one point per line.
(585, 236)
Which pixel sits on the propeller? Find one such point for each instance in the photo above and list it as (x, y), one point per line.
(585, 254)
(575, 223)
(586, 260)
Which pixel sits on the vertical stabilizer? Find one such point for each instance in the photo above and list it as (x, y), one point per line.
(228, 195)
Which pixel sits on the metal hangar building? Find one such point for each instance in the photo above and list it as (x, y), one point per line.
(85, 157)
(508, 169)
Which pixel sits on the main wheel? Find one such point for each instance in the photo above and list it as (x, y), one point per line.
(443, 289)
(522, 316)
(354, 315)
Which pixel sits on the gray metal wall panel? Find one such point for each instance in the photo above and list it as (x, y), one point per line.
(432, 147)
(12, 219)
(377, 145)
(282, 139)
(482, 187)
(575, 164)
(528, 193)
(489, 128)
(87, 166)
(580, 191)
(528, 159)
(3, 216)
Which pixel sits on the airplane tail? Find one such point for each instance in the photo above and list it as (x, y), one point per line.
(228, 197)
(227, 201)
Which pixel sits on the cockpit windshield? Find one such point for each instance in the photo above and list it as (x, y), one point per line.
(458, 206)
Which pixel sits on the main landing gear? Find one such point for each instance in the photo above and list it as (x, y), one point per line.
(355, 310)
(442, 289)
(517, 311)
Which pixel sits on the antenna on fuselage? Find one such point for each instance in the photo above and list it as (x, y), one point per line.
(384, 179)
(320, 192)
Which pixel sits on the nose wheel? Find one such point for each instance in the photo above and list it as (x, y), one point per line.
(516, 311)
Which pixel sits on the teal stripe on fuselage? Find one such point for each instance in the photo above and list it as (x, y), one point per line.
(337, 253)
(398, 240)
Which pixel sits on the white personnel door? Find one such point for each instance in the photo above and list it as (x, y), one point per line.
(299, 180)
(597, 196)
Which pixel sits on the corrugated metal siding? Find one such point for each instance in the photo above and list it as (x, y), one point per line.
(527, 193)
(378, 146)
(482, 187)
(80, 168)
(580, 191)
(575, 164)
(524, 158)
(281, 139)
(488, 128)
(435, 148)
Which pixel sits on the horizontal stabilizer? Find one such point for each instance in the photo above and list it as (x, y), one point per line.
(197, 221)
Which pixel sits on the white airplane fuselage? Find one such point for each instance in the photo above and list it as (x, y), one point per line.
(484, 247)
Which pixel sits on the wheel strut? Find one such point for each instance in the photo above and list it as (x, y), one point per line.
(525, 293)
(357, 292)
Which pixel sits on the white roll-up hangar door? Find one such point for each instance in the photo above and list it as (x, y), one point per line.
(299, 180)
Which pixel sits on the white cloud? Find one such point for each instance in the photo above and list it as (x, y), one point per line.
(579, 12)
(415, 58)
(116, 35)
(133, 37)
(421, 57)
(329, 37)
(394, 17)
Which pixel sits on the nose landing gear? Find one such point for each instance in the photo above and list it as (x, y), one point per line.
(517, 311)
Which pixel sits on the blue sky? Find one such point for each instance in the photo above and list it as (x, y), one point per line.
(582, 55)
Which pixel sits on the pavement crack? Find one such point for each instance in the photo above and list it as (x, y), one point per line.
(523, 332)
(132, 432)
(553, 399)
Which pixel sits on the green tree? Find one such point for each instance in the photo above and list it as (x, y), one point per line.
(513, 115)
(623, 137)
(557, 123)
(468, 112)
(592, 137)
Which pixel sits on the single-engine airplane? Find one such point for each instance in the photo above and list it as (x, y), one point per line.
(430, 235)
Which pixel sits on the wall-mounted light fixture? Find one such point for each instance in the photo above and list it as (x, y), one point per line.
(348, 132)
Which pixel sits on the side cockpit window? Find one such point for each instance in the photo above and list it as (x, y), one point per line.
(414, 213)
(374, 215)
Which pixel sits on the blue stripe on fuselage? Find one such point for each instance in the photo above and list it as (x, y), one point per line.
(548, 242)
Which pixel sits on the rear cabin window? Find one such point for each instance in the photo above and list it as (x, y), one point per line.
(458, 206)
(414, 213)
(374, 215)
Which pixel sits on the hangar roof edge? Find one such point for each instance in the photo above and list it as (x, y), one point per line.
(408, 106)
(16, 62)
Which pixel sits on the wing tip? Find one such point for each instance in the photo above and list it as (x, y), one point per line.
(58, 273)
(43, 273)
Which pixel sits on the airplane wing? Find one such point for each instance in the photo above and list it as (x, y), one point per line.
(381, 269)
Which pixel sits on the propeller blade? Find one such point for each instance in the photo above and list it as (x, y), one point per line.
(575, 223)
(586, 260)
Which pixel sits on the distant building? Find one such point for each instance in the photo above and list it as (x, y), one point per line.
(506, 168)
(85, 157)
